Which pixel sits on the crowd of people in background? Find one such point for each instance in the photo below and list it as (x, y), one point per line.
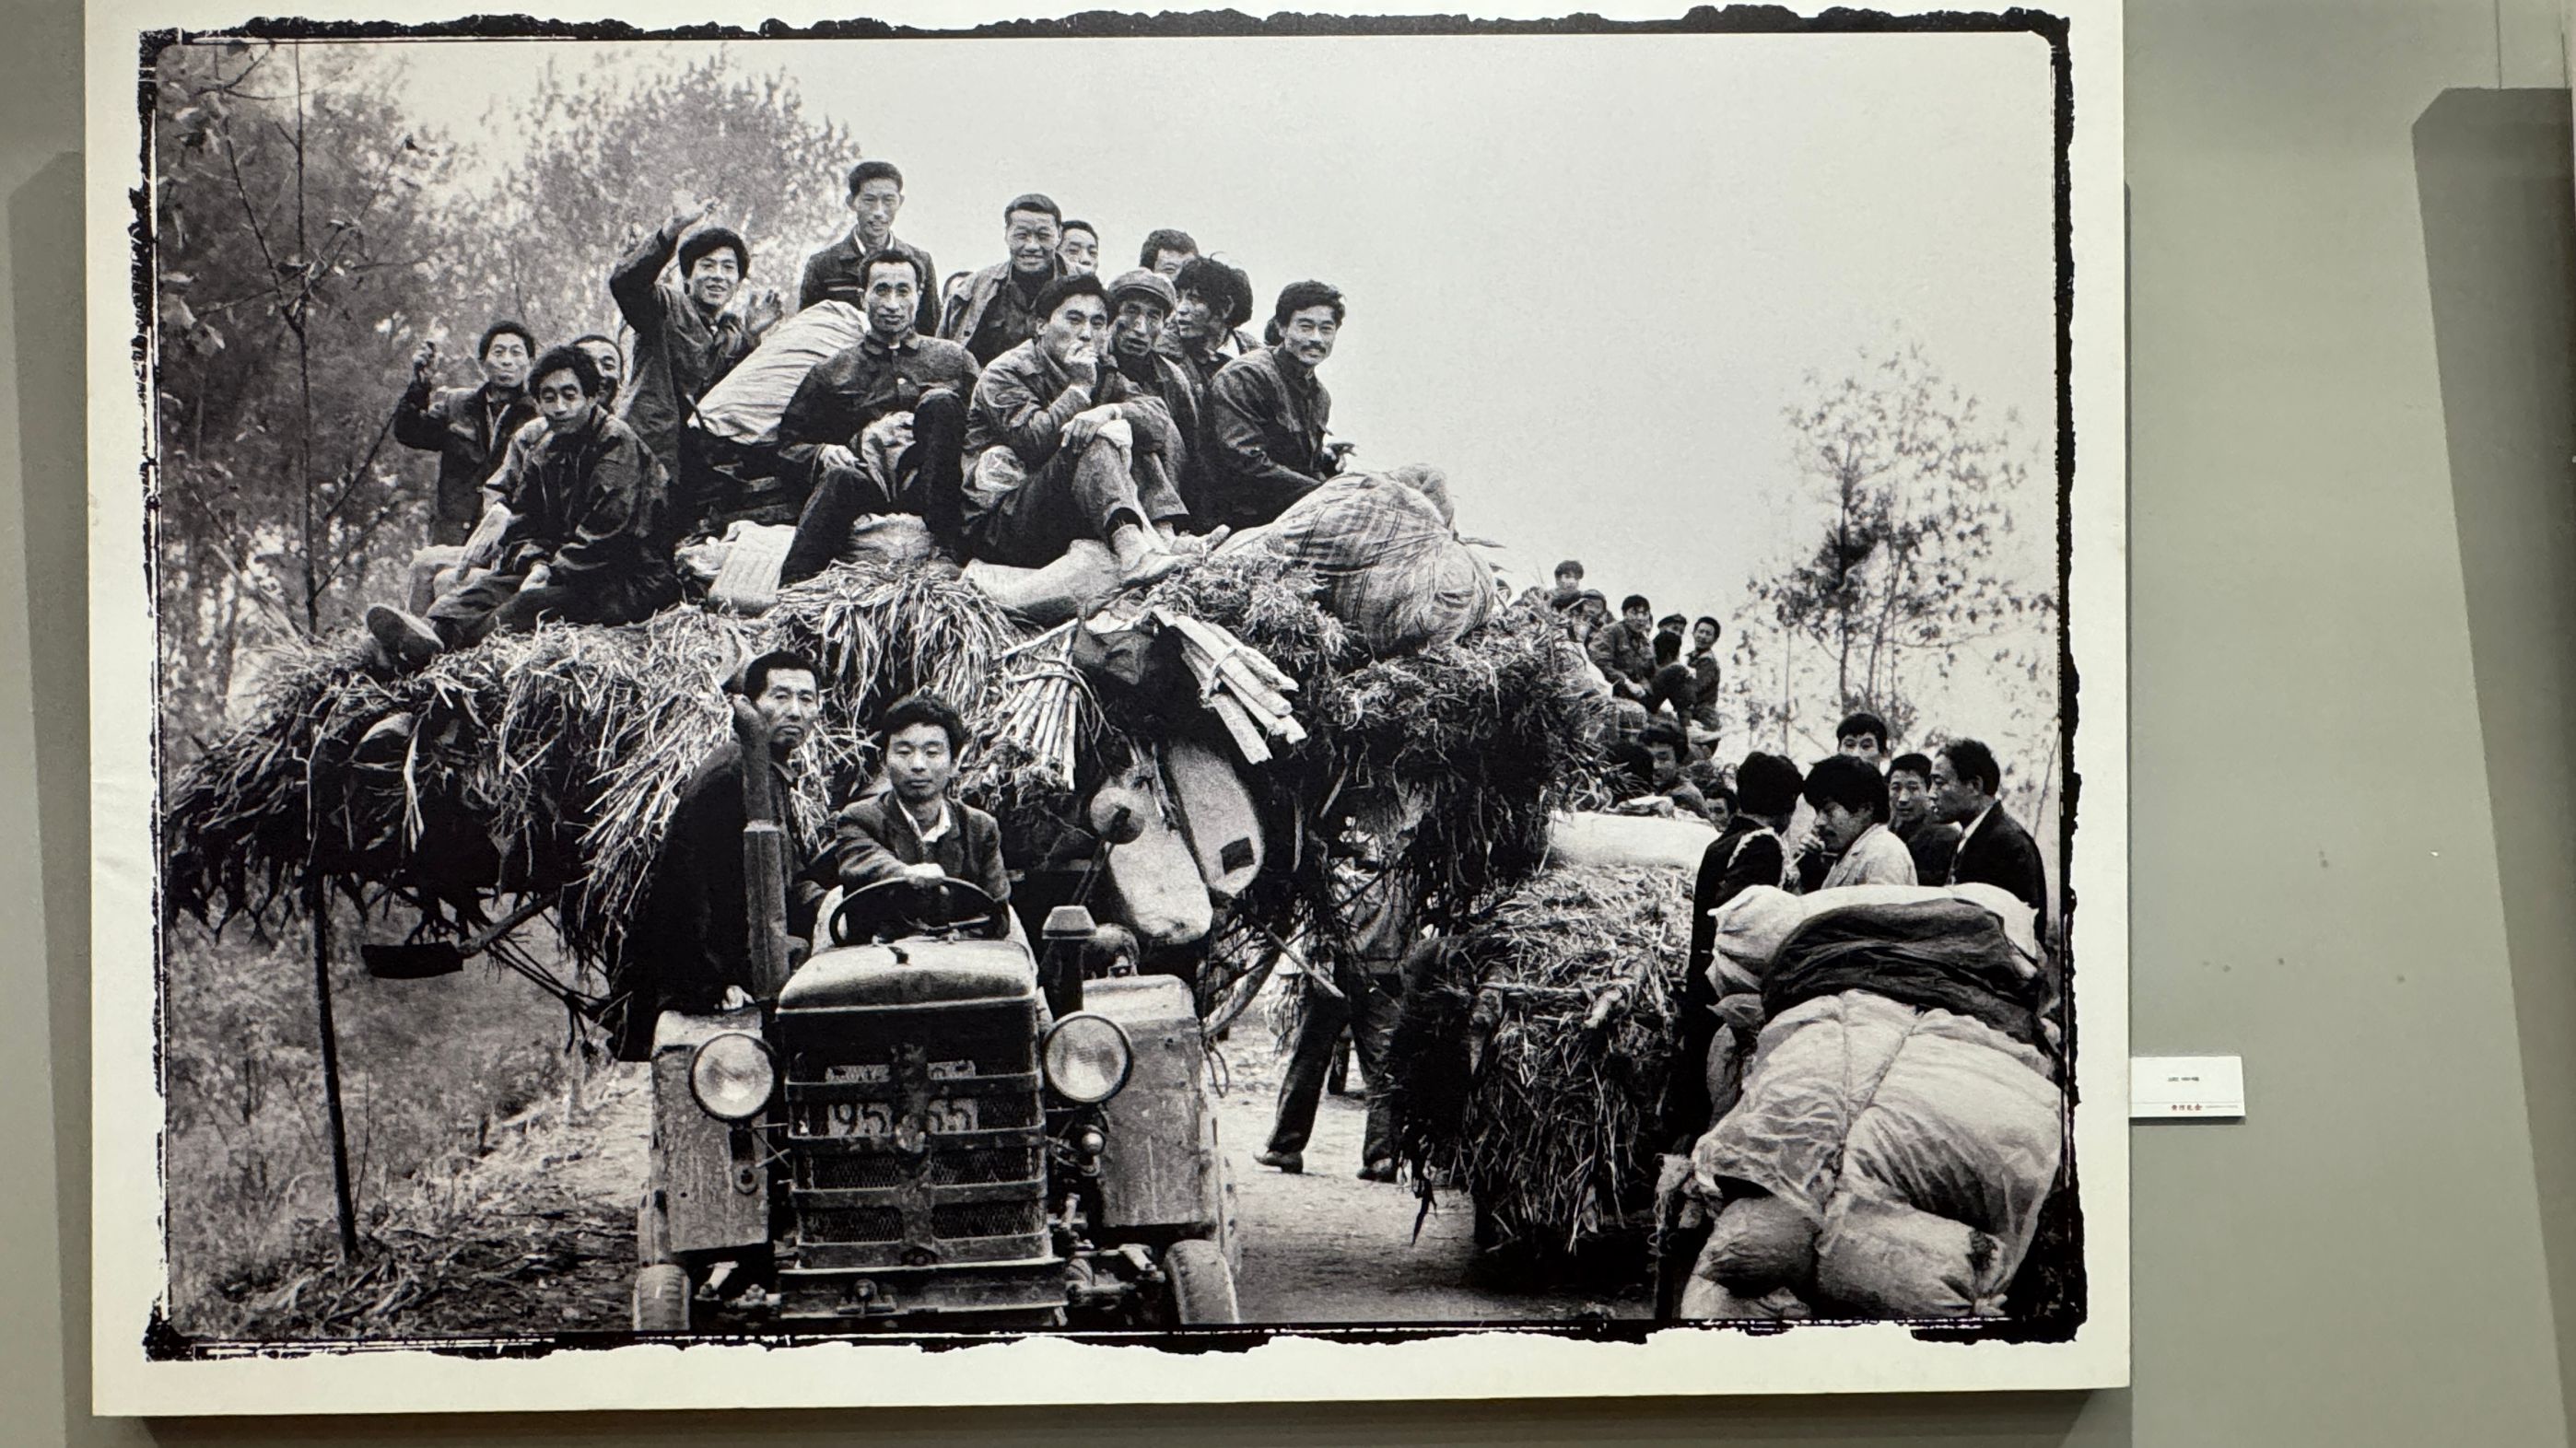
(1014, 410)
(1877, 817)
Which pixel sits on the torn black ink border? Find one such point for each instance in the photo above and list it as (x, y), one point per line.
(2061, 1232)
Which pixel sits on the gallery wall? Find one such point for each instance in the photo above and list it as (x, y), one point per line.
(2352, 531)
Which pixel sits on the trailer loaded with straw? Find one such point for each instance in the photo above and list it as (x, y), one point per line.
(1533, 1055)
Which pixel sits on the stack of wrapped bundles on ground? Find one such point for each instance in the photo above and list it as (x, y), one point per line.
(1531, 1061)
(1900, 1122)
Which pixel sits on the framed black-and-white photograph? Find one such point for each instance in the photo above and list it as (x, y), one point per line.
(956, 707)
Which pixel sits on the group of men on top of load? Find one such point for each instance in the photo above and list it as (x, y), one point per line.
(1049, 407)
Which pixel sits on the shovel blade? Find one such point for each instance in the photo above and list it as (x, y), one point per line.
(412, 962)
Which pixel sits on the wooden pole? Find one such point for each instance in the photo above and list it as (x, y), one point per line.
(764, 855)
(339, 1126)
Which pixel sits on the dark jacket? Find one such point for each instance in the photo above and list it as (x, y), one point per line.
(593, 506)
(1624, 655)
(691, 938)
(1024, 399)
(1745, 854)
(874, 838)
(839, 263)
(1932, 844)
(1998, 851)
(1267, 417)
(1706, 675)
(467, 427)
(962, 318)
(858, 385)
(679, 353)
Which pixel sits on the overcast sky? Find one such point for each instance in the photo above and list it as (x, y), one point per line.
(1585, 274)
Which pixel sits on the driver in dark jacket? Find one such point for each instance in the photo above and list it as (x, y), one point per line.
(914, 830)
(690, 949)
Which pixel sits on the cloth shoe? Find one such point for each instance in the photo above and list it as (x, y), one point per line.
(1291, 1162)
(406, 638)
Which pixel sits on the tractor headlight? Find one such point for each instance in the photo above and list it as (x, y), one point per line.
(1086, 1058)
(733, 1075)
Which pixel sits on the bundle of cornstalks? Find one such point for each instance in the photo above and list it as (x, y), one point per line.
(1533, 1054)
(1246, 691)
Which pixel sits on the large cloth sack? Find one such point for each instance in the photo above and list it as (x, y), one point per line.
(1628, 842)
(1760, 1243)
(1885, 1259)
(745, 407)
(1857, 1094)
(1390, 565)
(1751, 927)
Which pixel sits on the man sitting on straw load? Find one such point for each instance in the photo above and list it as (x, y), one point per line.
(466, 426)
(913, 830)
(687, 334)
(1669, 793)
(1212, 299)
(879, 427)
(688, 949)
(1850, 797)
(588, 540)
(1001, 306)
(876, 195)
(1064, 448)
(1625, 651)
(1269, 413)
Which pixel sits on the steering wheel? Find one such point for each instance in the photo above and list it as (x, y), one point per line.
(905, 906)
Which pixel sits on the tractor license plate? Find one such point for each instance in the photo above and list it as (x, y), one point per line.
(946, 1114)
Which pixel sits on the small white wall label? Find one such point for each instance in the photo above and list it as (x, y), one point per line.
(2208, 1088)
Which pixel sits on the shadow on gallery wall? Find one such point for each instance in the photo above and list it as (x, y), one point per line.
(2492, 172)
(44, 269)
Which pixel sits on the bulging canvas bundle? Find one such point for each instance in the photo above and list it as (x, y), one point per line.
(965, 708)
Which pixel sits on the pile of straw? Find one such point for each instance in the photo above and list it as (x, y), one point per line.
(551, 762)
(1534, 1051)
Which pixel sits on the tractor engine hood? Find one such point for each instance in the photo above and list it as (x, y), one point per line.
(911, 972)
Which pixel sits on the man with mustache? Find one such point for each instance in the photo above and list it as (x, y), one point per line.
(997, 308)
(1268, 413)
(905, 390)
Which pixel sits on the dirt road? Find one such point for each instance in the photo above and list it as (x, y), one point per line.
(1325, 1246)
(539, 1234)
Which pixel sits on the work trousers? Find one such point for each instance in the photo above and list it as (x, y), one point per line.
(1075, 497)
(1371, 1001)
(497, 603)
(935, 463)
